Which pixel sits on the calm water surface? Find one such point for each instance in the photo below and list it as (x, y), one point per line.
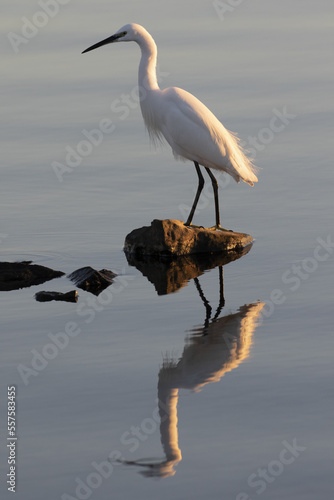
(154, 396)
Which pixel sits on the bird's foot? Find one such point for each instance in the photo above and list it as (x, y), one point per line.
(219, 228)
(194, 226)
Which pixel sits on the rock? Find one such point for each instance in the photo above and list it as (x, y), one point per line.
(91, 280)
(71, 296)
(168, 275)
(172, 238)
(16, 275)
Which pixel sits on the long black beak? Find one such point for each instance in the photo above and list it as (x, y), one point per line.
(110, 39)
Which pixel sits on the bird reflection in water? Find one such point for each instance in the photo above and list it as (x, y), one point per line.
(211, 350)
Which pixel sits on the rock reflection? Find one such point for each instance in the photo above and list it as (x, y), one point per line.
(211, 350)
(170, 275)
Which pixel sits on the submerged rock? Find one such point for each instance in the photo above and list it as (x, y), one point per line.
(16, 275)
(71, 296)
(91, 280)
(172, 238)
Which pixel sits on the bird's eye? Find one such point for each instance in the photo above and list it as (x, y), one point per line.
(123, 33)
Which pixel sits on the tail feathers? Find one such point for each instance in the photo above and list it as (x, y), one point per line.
(242, 166)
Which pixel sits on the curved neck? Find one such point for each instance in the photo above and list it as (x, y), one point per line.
(147, 75)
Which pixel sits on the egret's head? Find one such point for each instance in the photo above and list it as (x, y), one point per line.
(128, 33)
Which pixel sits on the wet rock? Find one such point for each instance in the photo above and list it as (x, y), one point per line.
(172, 238)
(71, 296)
(91, 280)
(170, 274)
(16, 275)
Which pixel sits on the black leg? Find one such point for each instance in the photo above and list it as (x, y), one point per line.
(215, 191)
(199, 190)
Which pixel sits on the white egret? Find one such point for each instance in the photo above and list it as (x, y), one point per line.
(189, 127)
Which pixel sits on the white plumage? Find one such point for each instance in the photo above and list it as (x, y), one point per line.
(194, 133)
(189, 127)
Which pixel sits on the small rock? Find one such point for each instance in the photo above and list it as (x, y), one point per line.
(16, 275)
(71, 296)
(91, 280)
(172, 238)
